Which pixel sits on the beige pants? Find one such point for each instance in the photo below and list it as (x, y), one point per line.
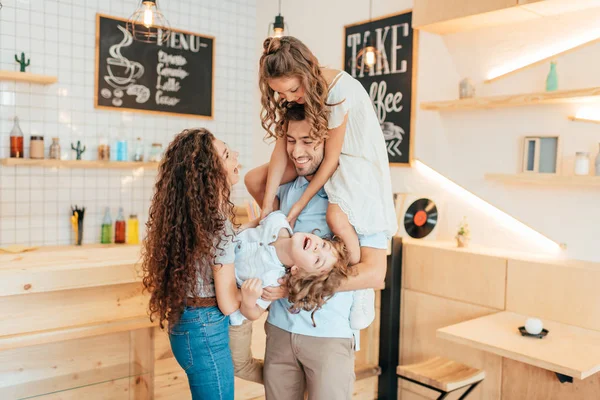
(244, 365)
(294, 363)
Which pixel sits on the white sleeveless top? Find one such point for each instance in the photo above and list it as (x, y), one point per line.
(361, 185)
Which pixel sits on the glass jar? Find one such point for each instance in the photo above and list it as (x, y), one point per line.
(138, 155)
(156, 152)
(54, 149)
(103, 151)
(120, 227)
(36, 147)
(16, 140)
(582, 163)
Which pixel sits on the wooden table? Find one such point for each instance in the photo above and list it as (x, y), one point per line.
(569, 351)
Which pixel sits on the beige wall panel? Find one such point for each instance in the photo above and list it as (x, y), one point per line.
(458, 275)
(523, 381)
(564, 293)
(422, 315)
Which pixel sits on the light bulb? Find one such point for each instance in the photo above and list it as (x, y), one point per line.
(148, 15)
(277, 32)
(370, 56)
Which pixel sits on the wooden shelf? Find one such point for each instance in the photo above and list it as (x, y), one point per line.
(444, 17)
(546, 180)
(27, 77)
(72, 382)
(74, 332)
(591, 121)
(47, 163)
(515, 100)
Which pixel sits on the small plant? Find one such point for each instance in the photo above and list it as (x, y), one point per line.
(22, 61)
(464, 233)
(78, 149)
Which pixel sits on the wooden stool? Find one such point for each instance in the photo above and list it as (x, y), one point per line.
(442, 375)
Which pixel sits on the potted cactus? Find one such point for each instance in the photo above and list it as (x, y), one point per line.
(463, 236)
(24, 64)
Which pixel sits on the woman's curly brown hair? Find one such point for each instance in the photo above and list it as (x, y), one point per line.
(187, 219)
(287, 57)
(309, 293)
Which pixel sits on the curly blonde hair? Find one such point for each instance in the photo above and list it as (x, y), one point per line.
(289, 57)
(309, 293)
(187, 219)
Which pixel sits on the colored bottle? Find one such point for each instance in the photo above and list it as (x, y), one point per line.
(106, 228)
(133, 227)
(16, 140)
(552, 79)
(120, 227)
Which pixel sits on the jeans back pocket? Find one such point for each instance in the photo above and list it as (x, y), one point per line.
(180, 344)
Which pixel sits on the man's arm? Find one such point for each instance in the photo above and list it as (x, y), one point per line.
(371, 271)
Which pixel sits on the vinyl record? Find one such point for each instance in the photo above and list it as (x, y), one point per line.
(420, 218)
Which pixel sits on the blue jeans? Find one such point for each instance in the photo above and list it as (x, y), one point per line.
(200, 343)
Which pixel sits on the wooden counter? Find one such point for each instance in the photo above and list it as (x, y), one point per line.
(75, 325)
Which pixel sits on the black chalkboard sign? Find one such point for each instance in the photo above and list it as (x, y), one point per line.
(390, 81)
(175, 76)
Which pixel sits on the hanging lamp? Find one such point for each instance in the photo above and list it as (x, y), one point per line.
(147, 24)
(367, 56)
(279, 27)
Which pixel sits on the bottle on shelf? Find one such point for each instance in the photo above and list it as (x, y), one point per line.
(16, 140)
(106, 237)
(120, 227)
(54, 149)
(133, 230)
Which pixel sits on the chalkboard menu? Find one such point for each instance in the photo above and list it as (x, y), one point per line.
(390, 81)
(173, 76)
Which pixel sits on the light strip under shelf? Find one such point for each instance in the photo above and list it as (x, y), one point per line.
(502, 218)
(542, 55)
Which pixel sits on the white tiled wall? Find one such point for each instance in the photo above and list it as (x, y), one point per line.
(59, 38)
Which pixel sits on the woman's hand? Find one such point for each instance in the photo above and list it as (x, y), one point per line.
(251, 291)
(273, 293)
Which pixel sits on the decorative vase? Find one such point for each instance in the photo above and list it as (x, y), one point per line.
(552, 78)
(462, 241)
(466, 89)
(597, 163)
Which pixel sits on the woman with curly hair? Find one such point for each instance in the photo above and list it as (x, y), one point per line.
(188, 258)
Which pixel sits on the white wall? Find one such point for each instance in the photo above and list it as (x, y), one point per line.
(59, 38)
(464, 146)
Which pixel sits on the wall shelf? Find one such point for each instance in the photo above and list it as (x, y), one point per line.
(515, 100)
(446, 17)
(546, 180)
(27, 77)
(47, 163)
(591, 121)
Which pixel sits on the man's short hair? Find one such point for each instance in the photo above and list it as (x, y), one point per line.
(295, 112)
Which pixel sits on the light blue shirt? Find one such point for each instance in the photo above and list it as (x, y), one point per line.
(333, 319)
(255, 257)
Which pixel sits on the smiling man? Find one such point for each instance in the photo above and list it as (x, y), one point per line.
(300, 356)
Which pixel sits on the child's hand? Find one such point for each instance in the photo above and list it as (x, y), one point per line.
(294, 213)
(251, 290)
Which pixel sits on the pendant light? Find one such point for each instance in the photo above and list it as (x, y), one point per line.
(279, 27)
(367, 56)
(147, 24)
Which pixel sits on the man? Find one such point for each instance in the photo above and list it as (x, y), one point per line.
(300, 356)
